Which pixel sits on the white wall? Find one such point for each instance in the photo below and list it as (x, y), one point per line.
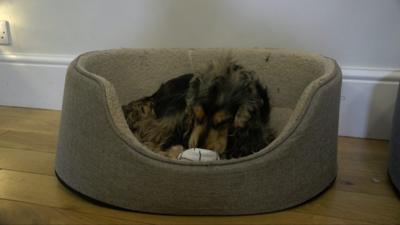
(362, 35)
(356, 33)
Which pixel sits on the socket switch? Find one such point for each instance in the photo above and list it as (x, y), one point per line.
(4, 33)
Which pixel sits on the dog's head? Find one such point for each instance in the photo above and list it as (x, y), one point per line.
(222, 98)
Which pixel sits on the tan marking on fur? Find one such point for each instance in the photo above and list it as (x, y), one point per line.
(199, 112)
(242, 116)
(220, 116)
(174, 151)
(148, 109)
(217, 140)
(200, 126)
(153, 132)
(197, 132)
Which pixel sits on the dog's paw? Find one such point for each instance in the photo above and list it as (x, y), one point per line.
(195, 136)
(174, 151)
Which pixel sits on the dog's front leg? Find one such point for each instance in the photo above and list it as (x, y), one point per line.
(199, 128)
(217, 140)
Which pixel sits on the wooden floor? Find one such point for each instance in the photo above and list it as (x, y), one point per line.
(30, 193)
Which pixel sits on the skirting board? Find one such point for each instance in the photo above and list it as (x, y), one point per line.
(34, 81)
(367, 105)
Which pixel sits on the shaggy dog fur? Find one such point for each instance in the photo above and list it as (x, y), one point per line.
(231, 110)
(159, 121)
(224, 108)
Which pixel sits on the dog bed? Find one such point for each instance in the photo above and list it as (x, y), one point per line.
(98, 156)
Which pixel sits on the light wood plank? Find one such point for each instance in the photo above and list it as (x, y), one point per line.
(27, 161)
(46, 190)
(35, 141)
(35, 120)
(363, 177)
(358, 206)
(13, 213)
(364, 167)
(365, 150)
(374, 185)
(2, 131)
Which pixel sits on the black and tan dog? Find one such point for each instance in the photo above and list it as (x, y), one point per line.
(224, 108)
(230, 108)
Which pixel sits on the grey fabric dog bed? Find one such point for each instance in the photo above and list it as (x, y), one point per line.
(98, 156)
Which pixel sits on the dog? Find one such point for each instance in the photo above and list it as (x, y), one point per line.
(230, 108)
(223, 107)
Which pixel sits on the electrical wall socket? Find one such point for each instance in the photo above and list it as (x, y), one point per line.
(4, 33)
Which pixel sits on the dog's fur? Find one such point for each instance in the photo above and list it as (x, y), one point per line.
(224, 108)
(159, 121)
(231, 109)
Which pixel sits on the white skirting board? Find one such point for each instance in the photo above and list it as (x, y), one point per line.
(366, 108)
(32, 80)
(367, 102)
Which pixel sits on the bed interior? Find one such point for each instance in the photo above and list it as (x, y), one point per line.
(139, 73)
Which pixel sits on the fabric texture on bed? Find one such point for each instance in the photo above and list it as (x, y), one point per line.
(99, 157)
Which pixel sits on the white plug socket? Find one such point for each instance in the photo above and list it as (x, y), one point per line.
(4, 33)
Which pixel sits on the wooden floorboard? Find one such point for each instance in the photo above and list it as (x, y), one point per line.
(17, 186)
(31, 194)
(28, 140)
(27, 161)
(14, 212)
(358, 206)
(34, 120)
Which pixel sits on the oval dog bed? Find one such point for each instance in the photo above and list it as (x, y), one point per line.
(99, 157)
